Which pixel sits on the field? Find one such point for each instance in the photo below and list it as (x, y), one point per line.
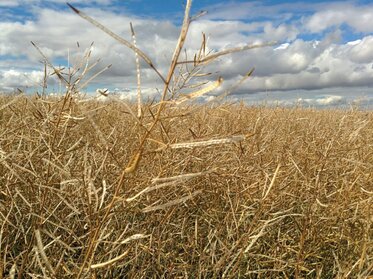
(223, 191)
(172, 188)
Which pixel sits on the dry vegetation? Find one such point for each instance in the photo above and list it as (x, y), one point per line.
(168, 189)
(293, 199)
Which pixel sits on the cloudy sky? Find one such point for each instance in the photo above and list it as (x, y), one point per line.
(323, 56)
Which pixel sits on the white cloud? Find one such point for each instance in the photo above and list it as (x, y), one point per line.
(323, 100)
(280, 33)
(127, 94)
(361, 51)
(360, 18)
(282, 46)
(305, 65)
(11, 79)
(295, 64)
(8, 3)
(336, 97)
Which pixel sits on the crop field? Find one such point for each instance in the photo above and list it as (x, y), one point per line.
(176, 188)
(220, 191)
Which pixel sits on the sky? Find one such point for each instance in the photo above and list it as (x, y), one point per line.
(323, 54)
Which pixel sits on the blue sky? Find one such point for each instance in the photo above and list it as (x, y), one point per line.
(324, 54)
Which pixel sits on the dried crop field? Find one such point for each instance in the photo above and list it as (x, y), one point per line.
(172, 189)
(218, 191)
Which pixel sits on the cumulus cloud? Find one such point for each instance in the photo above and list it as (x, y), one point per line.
(296, 63)
(361, 51)
(360, 18)
(305, 65)
(126, 94)
(11, 79)
(56, 33)
(8, 3)
(335, 97)
(281, 32)
(323, 100)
